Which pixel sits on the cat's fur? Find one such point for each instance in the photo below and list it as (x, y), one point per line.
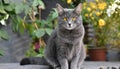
(65, 48)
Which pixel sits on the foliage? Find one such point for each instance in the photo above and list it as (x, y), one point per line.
(45, 27)
(38, 27)
(3, 34)
(3, 17)
(3, 14)
(35, 26)
(41, 52)
(32, 52)
(94, 12)
(26, 16)
(104, 15)
(113, 12)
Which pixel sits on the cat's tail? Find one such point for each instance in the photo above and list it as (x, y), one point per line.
(34, 61)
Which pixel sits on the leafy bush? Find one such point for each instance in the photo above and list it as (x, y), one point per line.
(26, 16)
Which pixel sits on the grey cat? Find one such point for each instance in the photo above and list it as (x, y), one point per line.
(65, 48)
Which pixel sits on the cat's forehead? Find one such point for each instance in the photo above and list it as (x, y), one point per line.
(68, 12)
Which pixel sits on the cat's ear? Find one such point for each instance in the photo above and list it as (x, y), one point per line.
(60, 9)
(78, 9)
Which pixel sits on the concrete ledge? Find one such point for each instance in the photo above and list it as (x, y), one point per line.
(17, 66)
(86, 65)
(101, 65)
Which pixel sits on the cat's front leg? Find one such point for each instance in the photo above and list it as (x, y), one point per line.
(74, 62)
(63, 63)
(82, 56)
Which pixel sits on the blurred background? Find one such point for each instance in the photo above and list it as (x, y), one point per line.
(25, 26)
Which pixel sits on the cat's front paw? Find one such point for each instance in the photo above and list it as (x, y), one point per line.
(57, 68)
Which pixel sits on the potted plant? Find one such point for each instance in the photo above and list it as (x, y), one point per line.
(94, 12)
(113, 12)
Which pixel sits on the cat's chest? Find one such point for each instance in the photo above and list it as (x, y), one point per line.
(69, 37)
(70, 51)
(67, 50)
(71, 33)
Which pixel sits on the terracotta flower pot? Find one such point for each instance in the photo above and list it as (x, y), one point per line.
(97, 54)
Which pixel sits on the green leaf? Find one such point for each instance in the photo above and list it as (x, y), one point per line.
(42, 23)
(30, 29)
(41, 4)
(40, 32)
(38, 2)
(1, 52)
(21, 28)
(14, 19)
(27, 9)
(20, 25)
(48, 31)
(41, 51)
(53, 14)
(17, 25)
(40, 55)
(2, 11)
(35, 3)
(19, 8)
(6, 1)
(4, 34)
(31, 52)
(10, 7)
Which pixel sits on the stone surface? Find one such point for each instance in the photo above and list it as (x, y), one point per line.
(17, 66)
(86, 65)
(102, 65)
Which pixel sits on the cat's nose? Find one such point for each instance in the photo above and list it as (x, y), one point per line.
(69, 24)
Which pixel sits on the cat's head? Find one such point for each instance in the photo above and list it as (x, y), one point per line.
(69, 18)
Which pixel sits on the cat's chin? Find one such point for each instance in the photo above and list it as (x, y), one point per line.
(70, 28)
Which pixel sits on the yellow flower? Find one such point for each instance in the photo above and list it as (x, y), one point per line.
(90, 14)
(101, 22)
(69, 1)
(102, 5)
(84, 4)
(93, 5)
(118, 34)
(98, 13)
(89, 9)
(86, 15)
(95, 23)
(92, 18)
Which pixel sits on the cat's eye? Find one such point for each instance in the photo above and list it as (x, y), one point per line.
(73, 18)
(65, 19)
